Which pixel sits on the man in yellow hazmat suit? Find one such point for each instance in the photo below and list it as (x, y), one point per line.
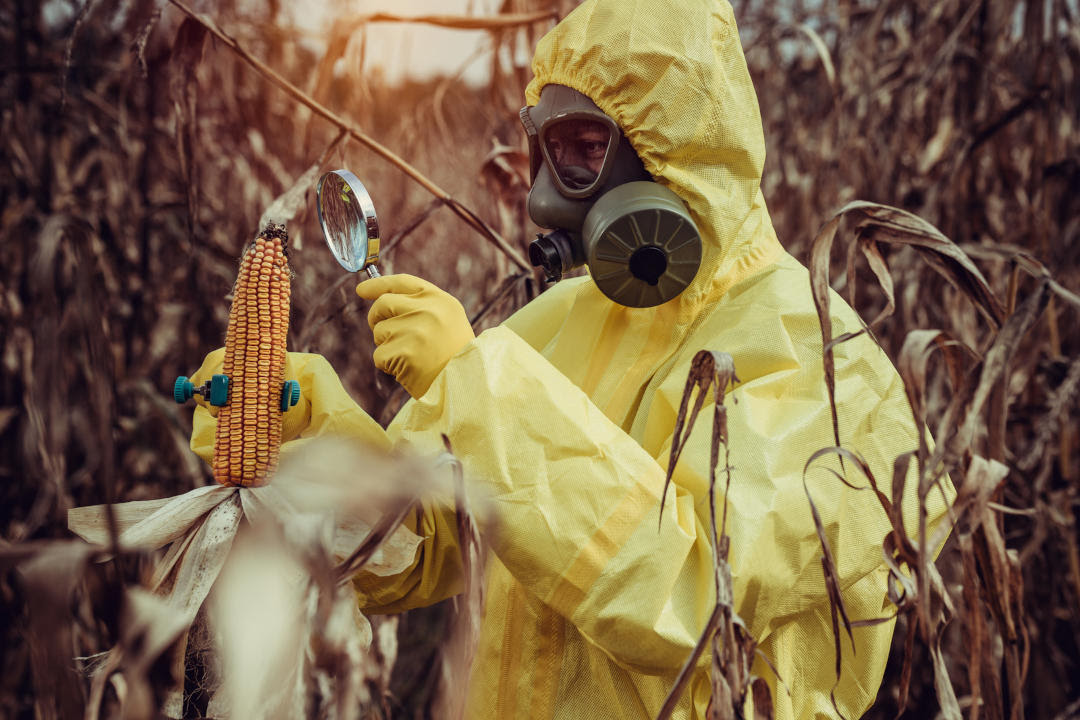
(564, 415)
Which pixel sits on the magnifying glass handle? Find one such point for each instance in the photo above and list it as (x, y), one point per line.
(372, 273)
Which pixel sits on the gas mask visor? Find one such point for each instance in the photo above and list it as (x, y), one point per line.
(578, 147)
(590, 188)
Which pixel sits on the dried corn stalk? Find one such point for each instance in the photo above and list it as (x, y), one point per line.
(733, 648)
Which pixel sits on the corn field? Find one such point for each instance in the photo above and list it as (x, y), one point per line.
(923, 158)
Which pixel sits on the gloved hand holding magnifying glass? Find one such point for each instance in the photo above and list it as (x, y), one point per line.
(417, 327)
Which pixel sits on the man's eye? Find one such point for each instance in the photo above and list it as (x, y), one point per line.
(595, 149)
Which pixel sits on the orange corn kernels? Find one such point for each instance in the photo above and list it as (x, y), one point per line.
(249, 424)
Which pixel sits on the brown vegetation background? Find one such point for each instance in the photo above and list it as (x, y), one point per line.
(140, 153)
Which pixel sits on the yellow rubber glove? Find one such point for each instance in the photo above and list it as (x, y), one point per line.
(325, 408)
(417, 328)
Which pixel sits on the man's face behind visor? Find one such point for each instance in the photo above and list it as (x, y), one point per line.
(577, 149)
(576, 153)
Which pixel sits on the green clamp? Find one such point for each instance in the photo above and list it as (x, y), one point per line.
(216, 389)
(290, 394)
(219, 390)
(183, 389)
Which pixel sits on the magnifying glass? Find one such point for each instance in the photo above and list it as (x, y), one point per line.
(347, 217)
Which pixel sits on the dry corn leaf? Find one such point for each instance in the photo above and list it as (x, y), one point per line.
(285, 206)
(49, 575)
(187, 53)
(822, 50)
(913, 366)
(262, 586)
(881, 223)
(150, 632)
(456, 654)
(994, 367)
(837, 610)
(946, 695)
(733, 648)
(937, 145)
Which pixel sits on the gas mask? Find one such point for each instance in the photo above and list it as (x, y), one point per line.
(604, 211)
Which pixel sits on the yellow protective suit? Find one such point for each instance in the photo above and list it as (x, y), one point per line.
(563, 418)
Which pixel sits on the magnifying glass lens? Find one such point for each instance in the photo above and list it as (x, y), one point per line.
(343, 221)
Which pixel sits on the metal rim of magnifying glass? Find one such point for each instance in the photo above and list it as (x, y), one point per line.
(367, 207)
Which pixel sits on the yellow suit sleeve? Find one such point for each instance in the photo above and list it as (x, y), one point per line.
(573, 501)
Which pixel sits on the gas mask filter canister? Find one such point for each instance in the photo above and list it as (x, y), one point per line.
(637, 238)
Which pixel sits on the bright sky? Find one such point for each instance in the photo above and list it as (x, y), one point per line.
(409, 48)
(399, 48)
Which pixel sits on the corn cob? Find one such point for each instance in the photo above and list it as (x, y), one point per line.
(248, 434)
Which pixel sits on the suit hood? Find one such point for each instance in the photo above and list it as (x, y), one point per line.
(672, 74)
